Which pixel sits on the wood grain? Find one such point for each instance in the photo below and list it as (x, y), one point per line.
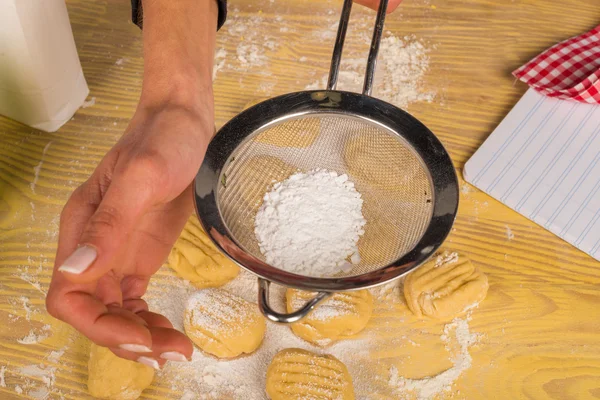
(540, 324)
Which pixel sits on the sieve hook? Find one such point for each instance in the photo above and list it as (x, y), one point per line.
(272, 315)
(373, 51)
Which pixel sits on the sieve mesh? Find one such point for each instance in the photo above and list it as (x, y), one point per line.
(395, 186)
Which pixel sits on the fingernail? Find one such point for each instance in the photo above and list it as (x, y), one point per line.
(151, 362)
(136, 348)
(79, 261)
(173, 356)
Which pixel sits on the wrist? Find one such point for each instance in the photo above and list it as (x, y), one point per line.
(179, 42)
(181, 87)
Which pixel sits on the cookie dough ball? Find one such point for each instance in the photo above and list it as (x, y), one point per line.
(296, 374)
(111, 377)
(340, 316)
(196, 259)
(294, 133)
(384, 163)
(445, 286)
(223, 324)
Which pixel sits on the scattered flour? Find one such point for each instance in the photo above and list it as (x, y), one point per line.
(18, 389)
(330, 308)
(45, 374)
(219, 62)
(32, 279)
(217, 310)
(2, 371)
(244, 378)
(120, 61)
(188, 395)
(403, 62)
(310, 224)
(251, 49)
(250, 55)
(40, 393)
(390, 292)
(38, 168)
(56, 355)
(509, 233)
(26, 306)
(446, 258)
(172, 305)
(429, 387)
(89, 103)
(32, 337)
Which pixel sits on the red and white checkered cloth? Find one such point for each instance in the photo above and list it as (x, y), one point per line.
(569, 70)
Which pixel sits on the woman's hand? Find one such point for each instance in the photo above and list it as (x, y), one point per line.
(118, 228)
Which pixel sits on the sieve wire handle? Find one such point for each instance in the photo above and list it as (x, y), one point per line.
(272, 315)
(373, 51)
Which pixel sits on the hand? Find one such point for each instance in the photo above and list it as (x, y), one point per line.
(117, 229)
(374, 4)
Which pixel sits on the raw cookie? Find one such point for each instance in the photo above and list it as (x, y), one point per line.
(223, 324)
(445, 286)
(112, 377)
(294, 133)
(382, 162)
(340, 316)
(296, 374)
(196, 259)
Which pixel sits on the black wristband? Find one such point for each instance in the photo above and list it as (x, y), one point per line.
(137, 13)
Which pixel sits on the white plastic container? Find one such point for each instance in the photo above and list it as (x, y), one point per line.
(41, 81)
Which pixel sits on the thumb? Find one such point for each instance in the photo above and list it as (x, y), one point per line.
(106, 235)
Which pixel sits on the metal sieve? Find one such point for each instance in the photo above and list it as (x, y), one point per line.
(404, 174)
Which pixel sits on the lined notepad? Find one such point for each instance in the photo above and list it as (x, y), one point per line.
(543, 161)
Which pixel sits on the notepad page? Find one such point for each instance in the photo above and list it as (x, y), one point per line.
(543, 161)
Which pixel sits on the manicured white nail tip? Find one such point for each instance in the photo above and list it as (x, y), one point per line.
(173, 356)
(151, 362)
(79, 261)
(136, 348)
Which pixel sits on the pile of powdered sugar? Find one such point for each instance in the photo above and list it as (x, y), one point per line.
(310, 224)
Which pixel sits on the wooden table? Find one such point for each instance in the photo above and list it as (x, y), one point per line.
(540, 323)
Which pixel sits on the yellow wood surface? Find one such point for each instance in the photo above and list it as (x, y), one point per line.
(540, 323)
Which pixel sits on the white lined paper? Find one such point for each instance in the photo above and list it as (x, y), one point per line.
(543, 161)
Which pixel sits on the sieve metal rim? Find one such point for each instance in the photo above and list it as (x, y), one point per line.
(445, 187)
(294, 105)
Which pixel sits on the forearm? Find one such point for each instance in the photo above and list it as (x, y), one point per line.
(179, 41)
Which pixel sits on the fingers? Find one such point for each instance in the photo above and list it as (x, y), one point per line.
(108, 326)
(168, 344)
(155, 235)
(104, 239)
(374, 4)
